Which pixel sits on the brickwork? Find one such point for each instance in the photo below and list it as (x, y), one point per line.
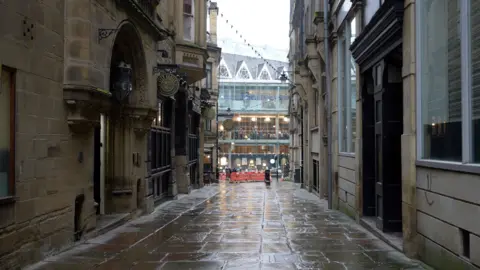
(54, 164)
(39, 221)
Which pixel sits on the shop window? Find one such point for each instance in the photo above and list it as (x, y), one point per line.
(449, 80)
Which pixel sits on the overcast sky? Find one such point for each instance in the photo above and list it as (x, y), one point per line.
(264, 24)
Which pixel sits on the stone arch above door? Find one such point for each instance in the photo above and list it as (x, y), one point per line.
(127, 45)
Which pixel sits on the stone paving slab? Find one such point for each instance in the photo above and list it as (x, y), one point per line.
(243, 226)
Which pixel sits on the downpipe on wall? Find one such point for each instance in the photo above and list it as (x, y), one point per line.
(329, 102)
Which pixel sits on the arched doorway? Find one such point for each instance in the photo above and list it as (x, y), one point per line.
(124, 126)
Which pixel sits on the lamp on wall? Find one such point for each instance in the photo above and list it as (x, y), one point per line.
(283, 77)
(122, 81)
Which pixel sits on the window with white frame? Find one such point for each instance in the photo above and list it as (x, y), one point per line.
(223, 71)
(347, 95)
(189, 20)
(243, 73)
(264, 75)
(448, 80)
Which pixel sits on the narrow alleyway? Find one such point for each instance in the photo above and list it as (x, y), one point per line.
(238, 226)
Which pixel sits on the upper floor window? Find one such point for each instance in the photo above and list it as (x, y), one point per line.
(7, 134)
(189, 20)
(448, 80)
(223, 71)
(208, 83)
(264, 75)
(347, 86)
(243, 73)
(208, 125)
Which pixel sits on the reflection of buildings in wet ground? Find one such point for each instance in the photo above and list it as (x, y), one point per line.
(242, 226)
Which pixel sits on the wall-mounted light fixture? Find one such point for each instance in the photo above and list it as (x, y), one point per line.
(122, 81)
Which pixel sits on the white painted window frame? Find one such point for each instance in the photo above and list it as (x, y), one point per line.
(224, 64)
(244, 66)
(466, 96)
(193, 19)
(264, 69)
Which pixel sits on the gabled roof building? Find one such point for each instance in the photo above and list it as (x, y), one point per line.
(253, 97)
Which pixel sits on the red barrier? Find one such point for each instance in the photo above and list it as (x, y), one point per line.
(247, 176)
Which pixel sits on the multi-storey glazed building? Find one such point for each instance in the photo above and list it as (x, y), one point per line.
(100, 108)
(253, 97)
(400, 106)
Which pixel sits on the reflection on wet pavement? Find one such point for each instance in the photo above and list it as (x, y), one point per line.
(240, 226)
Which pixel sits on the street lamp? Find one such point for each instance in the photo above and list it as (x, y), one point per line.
(283, 77)
(122, 81)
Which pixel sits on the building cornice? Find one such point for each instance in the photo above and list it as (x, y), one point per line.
(381, 35)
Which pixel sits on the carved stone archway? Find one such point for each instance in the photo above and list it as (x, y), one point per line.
(129, 120)
(127, 46)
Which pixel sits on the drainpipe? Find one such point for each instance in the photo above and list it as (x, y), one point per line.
(217, 175)
(329, 102)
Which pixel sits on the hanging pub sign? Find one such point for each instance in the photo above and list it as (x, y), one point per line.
(228, 124)
(167, 84)
(209, 113)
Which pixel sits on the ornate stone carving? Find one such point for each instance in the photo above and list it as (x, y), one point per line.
(84, 105)
(140, 119)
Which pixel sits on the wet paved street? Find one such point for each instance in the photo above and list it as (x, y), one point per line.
(243, 226)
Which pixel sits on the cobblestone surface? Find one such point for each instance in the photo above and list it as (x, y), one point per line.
(239, 226)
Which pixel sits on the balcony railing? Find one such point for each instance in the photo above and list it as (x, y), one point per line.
(254, 161)
(253, 105)
(256, 142)
(252, 136)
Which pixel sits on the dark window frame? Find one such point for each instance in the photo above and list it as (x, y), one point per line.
(12, 129)
(160, 154)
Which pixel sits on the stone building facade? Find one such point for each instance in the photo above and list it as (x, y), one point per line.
(79, 93)
(308, 97)
(209, 125)
(402, 103)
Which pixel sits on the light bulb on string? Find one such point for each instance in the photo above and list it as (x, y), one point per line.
(245, 41)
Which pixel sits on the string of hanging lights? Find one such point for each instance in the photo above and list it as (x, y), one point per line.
(283, 77)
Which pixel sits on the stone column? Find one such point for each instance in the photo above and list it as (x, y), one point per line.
(357, 8)
(201, 151)
(181, 141)
(323, 133)
(277, 129)
(306, 149)
(409, 203)
(213, 11)
(172, 183)
(334, 116)
(308, 124)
